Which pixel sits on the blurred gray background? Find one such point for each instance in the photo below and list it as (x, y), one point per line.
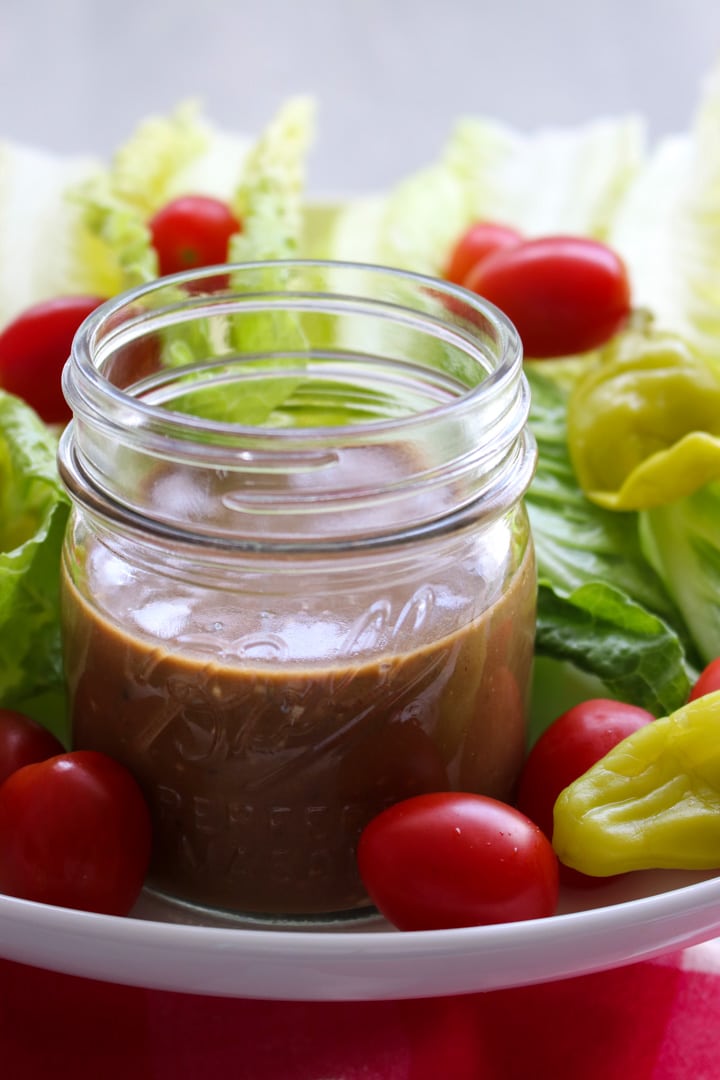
(390, 76)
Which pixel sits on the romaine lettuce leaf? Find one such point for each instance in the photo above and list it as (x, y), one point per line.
(269, 203)
(600, 630)
(601, 606)
(578, 542)
(33, 514)
(145, 173)
(262, 179)
(148, 170)
(269, 199)
(682, 542)
(266, 191)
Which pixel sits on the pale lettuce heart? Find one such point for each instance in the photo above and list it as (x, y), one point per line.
(668, 229)
(42, 252)
(269, 198)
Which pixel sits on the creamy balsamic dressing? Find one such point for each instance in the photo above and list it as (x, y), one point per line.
(261, 768)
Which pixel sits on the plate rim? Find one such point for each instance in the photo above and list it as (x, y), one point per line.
(351, 965)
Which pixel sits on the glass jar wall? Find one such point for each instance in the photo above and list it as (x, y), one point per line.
(298, 579)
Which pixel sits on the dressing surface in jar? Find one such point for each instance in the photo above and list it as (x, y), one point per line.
(298, 582)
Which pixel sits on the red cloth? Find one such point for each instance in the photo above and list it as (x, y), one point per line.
(657, 1020)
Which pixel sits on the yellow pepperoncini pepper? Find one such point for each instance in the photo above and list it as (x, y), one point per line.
(644, 423)
(653, 802)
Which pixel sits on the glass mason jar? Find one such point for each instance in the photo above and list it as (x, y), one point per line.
(298, 581)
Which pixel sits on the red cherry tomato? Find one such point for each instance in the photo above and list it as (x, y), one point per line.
(567, 749)
(33, 351)
(565, 294)
(192, 231)
(481, 239)
(75, 832)
(708, 680)
(23, 741)
(451, 859)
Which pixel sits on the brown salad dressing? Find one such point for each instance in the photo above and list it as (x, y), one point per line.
(260, 773)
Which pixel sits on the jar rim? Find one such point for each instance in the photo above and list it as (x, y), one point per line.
(95, 383)
(482, 457)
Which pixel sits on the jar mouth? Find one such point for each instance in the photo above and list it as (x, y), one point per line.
(453, 315)
(392, 400)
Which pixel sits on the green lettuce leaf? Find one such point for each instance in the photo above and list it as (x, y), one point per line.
(600, 630)
(270, 197)
(269, 201)
(603, 610)
(182, 154)
(33, 514)
(262, 179)
(167, 156)
(681, 540)
(145, 173)
(578, 542)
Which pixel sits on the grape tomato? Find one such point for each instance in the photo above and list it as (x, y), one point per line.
(708, 681)
(192, 231)
(564, 294)
(451, 859)
(74, 832)
(481, 239)
(23, 741)
(567, 749)
(33, 351)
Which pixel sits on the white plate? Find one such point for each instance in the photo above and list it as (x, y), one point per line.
(160, 947)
